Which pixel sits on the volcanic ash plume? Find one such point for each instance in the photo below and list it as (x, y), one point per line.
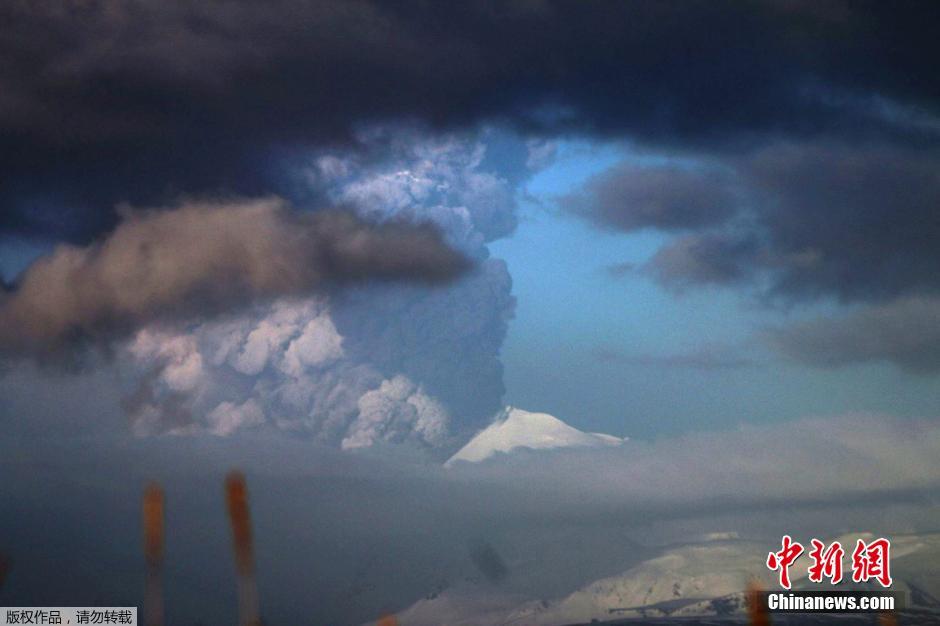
(381, 362)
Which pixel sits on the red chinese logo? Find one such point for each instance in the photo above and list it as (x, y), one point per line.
(871, 561)
(826, 563)
(782, 560)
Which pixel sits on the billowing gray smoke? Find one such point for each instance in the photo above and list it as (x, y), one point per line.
(382, 362)
(203, 258)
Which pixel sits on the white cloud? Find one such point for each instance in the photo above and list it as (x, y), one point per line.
(317, 345)
(227, 417)
(393, 412)
(181, 364)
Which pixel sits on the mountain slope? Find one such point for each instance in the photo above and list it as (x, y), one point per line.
(679, 577)
(515, 428)
(703, 579)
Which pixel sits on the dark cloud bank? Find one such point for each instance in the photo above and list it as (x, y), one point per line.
(817, 123)
(797, 222)
(205, 257)
(107, 102)
(856, 222)
(800, 140)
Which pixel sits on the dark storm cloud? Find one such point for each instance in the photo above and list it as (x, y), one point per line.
(668, 197)
(704, 259)
(859, 222)
(107, 101)
(828, 113)
(825, 219)
(856, 222)
(905, 332)
(828, 220)
(204, 257)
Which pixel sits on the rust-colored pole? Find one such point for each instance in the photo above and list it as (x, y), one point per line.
(887, 619)
(757, 606)
(236, 496)
(153, 553)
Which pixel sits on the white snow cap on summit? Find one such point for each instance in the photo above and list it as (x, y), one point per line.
(515, 428)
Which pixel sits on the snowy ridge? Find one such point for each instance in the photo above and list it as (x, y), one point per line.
(515, 428)
(681, 577)
(697, 580)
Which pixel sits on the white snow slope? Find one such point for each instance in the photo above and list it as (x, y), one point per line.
(515, 428)
(694, 580)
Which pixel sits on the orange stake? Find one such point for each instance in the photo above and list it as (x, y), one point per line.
(236, 496)
(757, 606)
(887, 619)
(153, 553)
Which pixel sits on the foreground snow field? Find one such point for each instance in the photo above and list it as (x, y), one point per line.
(701, 583)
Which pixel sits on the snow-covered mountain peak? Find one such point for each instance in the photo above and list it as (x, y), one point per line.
(515, 428)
